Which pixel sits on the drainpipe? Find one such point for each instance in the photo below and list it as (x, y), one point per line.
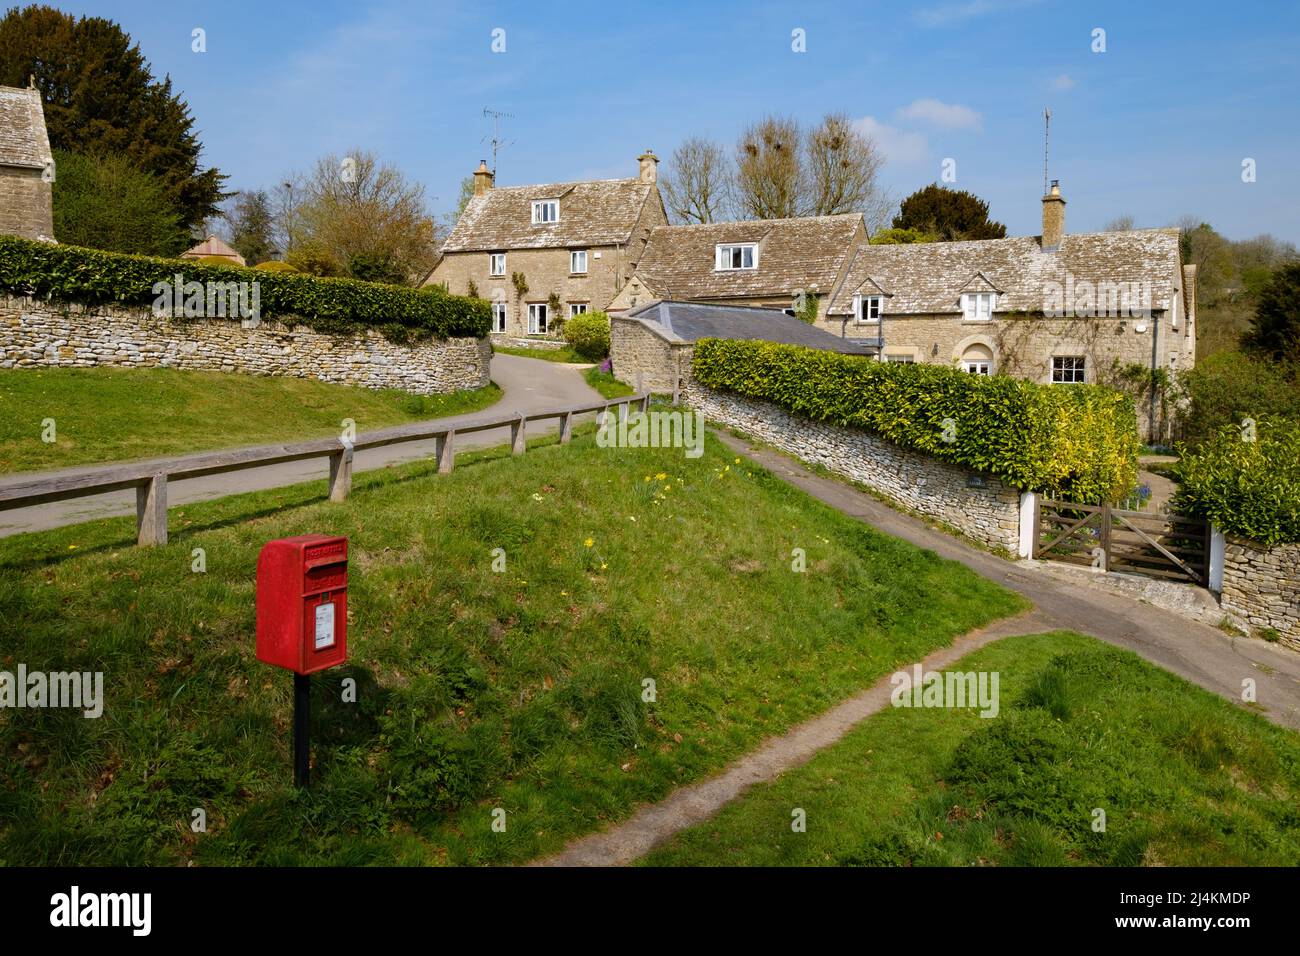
(1155, 345)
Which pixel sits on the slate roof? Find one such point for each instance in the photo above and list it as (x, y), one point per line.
(599, 212)
(930, 277)
(793, 254)
(692, 321)
(23, 139)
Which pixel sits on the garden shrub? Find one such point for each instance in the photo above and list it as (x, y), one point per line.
(275, 265)
(588, 334)
(216, 261)
(1074, 441)
(335, 306)
(1246, 479)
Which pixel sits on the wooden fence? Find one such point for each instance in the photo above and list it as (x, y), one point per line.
(151, 478)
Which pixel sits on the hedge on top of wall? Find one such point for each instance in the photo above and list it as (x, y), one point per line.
(1246, 479)
(1073, 441)
(90, 277)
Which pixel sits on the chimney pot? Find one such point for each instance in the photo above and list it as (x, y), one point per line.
(484, 178)
(1053, 218)
(649, 166)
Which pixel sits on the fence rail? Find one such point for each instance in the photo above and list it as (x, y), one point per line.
(150, 478)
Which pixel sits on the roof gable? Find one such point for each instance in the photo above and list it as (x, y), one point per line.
(23, 138)
(594, 213)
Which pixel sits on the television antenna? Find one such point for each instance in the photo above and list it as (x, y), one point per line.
(496, 116)
(1047, 140)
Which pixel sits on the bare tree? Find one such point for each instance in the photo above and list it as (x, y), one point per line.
(697, 184)
(771, 181)
(842, 169)
(1122, 223)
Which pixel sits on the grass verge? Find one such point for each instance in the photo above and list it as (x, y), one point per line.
(480, 686)
(1184, 778)
(109, 414)
(563, 354)
(606, 383)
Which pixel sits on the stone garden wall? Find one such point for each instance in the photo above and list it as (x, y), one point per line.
(989, 512)
(34, 333)
(1262, 586)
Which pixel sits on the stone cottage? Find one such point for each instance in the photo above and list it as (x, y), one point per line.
(543, 253)
(770, 263)
(26, 166)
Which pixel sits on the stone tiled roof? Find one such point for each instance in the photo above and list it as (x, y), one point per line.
(692, 321)
(212, 246)
(931, 277)
(598, 212)
(805, 253)
(23, 140)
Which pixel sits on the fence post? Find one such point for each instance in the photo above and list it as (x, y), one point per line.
(446, 452)
(1218, 549)
(518, 435)
(151, 511)
(1105, 535)
(1028, 523)
(341, 473)
(566, 427)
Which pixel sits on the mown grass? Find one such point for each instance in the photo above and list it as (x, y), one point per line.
(563, 354)
(606, 383)
(523, 690)
(109, 414)
(1184, 777)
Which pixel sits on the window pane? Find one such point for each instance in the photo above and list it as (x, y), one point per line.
(747, 257)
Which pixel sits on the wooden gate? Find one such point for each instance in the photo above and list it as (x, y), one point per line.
(1112, 539)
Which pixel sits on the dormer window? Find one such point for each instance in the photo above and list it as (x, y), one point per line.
(978, 306)
(732, 258)
(867, 308)
(546, 211)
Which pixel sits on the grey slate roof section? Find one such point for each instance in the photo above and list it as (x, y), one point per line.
(692, 321)
(23, 139)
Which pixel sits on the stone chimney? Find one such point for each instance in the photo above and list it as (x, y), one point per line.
(483, 178)
(649, 166)
(1053, 218)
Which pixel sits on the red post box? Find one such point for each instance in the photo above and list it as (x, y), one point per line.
(302, 602)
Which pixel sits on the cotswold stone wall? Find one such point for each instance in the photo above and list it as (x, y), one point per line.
(925, 485)
(641, 351)
(34, 333)
(1262, 585)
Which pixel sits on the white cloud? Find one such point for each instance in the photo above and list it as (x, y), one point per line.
(897, 145)
(946, 115)
(1060, 84)
(955, 14)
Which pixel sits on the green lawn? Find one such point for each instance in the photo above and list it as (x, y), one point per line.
(562, 354)
(606, 384)
(1184, 777)
(107, 414)
(523, 690)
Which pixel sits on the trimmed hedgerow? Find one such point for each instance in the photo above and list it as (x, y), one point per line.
(1075, 441)
(1246, 480)
(337, 306)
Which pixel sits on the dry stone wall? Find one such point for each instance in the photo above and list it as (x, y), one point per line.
(1262, 586)
(34, 333)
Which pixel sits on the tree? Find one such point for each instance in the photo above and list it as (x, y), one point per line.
(1122, 223)
(101, 98)
(364, 217)
(949, 214)
(697, 183)
(843, 165)
(900, 237)
(105, 202)
(251, 225)
(1275, 330)
(770, 178)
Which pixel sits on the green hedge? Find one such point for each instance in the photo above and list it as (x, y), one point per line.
(1248, 487)
(90, 277)
(1075, 441)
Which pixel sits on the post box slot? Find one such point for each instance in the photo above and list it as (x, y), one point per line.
(329, 577)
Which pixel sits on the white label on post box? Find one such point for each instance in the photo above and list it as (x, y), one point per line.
(324, 625)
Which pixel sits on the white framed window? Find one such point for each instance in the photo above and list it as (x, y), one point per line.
(978, 366)
(497, 264)
(978, 306)
(901, 359)
(730, 258)
(546, 211)
(868, 308)
(579, 308)
(578, 261)
(499, 316)
(537, 318)
(1069, 368)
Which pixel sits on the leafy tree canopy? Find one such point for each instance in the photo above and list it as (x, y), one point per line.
(106, 202)
(948, 214)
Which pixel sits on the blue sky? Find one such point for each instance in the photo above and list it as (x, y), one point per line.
(1157, 126)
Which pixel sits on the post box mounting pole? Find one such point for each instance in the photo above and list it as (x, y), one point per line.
(301, 730)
